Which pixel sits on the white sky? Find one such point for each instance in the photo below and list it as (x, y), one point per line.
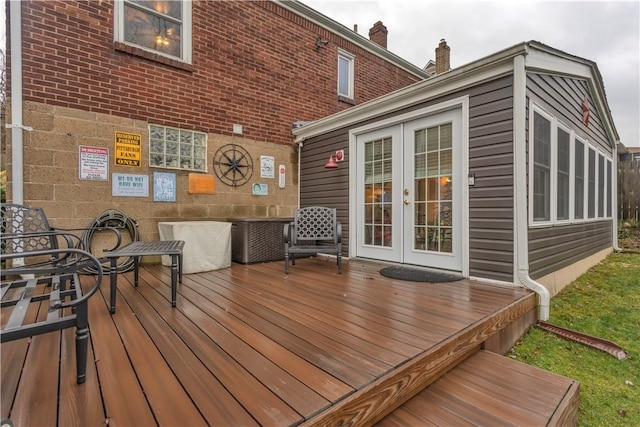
(607, 32)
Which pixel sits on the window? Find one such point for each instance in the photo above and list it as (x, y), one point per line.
(601, 183)
(158, 26)
(541, 168)
(173, 148)
(579, 180)
(609, 189)
(591, 186)
(564, 162)
(345, 74)
(569, 179)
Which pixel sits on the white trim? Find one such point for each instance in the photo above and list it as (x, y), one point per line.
(520, 215)
(454, 80)
(462, 103)
(573, 137)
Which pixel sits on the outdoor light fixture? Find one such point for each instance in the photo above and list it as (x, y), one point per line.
(334, 158)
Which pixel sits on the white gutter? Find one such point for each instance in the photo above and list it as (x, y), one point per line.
(520, 214)
(17, 167)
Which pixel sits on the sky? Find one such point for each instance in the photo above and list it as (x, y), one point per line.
(606, 32)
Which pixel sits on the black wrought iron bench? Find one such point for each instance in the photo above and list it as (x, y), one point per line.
(41, 266)
(313, 230)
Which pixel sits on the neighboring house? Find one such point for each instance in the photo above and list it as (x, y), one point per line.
(628, 183)
(114, 94)
(501, 170)
(627, 154)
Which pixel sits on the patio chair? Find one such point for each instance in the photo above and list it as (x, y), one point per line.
(40, 268)
(313, 230)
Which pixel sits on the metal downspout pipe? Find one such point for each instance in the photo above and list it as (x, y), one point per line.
(17, 166)
(521, 214)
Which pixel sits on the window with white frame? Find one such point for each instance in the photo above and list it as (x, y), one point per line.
(159, 26)
(173, 148)
(541, 168)
(591, 184)
(578, 207)
(346, 72)
(609, 190)
(570, 180)
(601, 186)
(564, 163)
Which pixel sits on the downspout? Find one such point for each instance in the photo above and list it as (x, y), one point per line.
(300, 145)
(614, 198)
(17, 166)
(521, 213)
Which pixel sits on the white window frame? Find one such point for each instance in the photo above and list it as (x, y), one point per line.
(186, 30)
(553, 196)
(585, 169)
(346, 56)
(161, 148)
(552, 167)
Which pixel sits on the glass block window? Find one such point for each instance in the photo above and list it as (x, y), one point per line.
(172, 148)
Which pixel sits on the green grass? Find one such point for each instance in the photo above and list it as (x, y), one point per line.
(604, 302)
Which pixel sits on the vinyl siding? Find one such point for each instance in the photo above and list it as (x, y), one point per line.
(490, 159)
(554, 247)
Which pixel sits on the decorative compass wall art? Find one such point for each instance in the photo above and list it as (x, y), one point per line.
(233, 165)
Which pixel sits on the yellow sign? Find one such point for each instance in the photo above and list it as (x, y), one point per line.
(128, 149)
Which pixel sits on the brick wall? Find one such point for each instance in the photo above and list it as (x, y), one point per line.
(254, 64)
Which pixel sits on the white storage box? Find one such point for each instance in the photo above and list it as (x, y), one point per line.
(207, 244)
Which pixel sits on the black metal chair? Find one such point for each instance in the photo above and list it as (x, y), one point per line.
(41, 267)
(314, 230)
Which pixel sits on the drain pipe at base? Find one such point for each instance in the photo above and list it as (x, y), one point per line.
(521, 214)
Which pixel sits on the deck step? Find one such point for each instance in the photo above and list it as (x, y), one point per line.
(488, 390)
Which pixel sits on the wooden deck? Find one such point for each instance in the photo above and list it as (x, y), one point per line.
(249, 345)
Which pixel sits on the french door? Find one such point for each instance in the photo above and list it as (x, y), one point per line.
(409, 192)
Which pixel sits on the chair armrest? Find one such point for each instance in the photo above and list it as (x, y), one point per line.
(287, 233)
(338, 232)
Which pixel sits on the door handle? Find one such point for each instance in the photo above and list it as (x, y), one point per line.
(407, 201)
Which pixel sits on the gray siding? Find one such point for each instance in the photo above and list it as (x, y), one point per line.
(490, 159)
(554, 247)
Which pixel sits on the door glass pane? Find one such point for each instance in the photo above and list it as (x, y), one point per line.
(377, 190)
(434, 198)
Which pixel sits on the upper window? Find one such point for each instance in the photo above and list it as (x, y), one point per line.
(159, 26)
(345, 74)
(570, 180)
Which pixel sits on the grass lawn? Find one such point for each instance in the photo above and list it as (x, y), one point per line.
(604, 302)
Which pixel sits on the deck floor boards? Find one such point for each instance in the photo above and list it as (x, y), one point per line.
(248, 345)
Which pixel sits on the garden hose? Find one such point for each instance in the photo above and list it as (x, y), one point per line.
(115, 219)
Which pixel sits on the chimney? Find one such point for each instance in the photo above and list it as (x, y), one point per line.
(378, 34)
(442, 57)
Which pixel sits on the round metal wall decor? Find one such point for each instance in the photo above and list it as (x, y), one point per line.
(233, 165)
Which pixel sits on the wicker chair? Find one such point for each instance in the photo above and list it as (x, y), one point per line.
(314, 230)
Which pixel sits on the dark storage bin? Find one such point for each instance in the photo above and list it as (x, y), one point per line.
(257, 239)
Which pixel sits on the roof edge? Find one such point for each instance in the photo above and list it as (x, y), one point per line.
(338, 29)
